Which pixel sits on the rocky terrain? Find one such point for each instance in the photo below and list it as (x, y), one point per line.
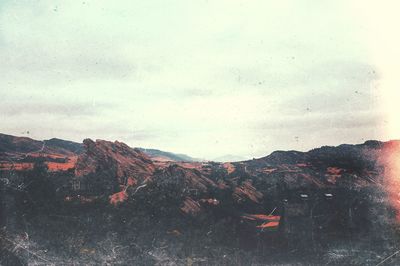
(104, 202)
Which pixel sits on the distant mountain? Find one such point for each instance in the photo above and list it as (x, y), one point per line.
(159, 155)
(65, 144)
(229, 158)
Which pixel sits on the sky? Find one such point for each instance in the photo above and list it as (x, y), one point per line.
(206, 78)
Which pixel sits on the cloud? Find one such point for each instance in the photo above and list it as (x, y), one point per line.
(73, 65)
(302, 123)
(37, 109)
(205, 78)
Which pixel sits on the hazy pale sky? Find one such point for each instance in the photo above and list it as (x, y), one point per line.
(206, 78)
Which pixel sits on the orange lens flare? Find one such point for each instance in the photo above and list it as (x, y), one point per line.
(390, 160)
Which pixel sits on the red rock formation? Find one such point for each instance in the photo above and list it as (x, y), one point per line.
(116, 159)
(247, 191)
(191, 206)
(118, 197)
(186, 178)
